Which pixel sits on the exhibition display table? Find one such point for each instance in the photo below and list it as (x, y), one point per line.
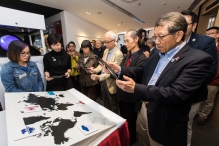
(60, 119)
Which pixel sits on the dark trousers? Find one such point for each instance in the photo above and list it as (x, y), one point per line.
(89, 91)
(110, 101)
(59, 84)
(127, 111)
(75, 81)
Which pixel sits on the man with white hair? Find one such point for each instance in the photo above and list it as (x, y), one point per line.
(108, 85)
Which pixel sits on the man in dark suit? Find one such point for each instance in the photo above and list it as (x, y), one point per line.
(151, 44)
(169, 81)
(206, 44)
(135, 57)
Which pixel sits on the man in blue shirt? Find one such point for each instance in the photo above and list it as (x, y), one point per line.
(169, 81)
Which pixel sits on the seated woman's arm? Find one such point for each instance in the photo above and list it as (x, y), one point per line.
(7, 77)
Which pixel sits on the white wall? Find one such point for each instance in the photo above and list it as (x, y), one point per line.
(77, 29)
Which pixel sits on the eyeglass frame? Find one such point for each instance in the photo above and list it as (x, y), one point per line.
(107, 42)
(160, 38)
(189, 23)
(23, 54)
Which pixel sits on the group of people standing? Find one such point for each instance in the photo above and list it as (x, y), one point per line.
(162, 92)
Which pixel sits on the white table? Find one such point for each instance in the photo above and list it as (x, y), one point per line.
(14, 118)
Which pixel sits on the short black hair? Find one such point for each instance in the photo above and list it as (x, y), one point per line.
(192, 14)
(85, 44)
(140, 33)
(213, 27)
(14, 50)
(54, 38)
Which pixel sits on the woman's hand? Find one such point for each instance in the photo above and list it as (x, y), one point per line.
(47, 76)
(67, 74)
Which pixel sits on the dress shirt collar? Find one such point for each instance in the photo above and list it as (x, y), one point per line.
(173, 51)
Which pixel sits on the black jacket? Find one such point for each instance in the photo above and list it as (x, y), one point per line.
(138, 59)
(169, 100)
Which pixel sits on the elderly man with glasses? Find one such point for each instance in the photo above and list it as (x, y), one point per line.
(170, 79)
(108, 85)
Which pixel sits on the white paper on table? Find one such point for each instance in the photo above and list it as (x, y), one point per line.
(26, 131)
(87, 128)
(31, 108)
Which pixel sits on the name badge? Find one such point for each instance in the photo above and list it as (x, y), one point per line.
(23, 75)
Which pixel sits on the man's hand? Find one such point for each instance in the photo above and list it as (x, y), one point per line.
(127, 86)
(114, 66)
(94, 77)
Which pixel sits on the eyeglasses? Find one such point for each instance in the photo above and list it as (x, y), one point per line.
(210, 33)
(25, 54)
(71, 46)
(160, 38)
(107, 42)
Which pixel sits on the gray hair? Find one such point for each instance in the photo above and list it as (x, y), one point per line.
(176, 22)
(151, 41)
(112, 35)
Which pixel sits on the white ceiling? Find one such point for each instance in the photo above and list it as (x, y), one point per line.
(149, 11)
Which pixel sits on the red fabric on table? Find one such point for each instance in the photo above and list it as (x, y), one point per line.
(119, 137)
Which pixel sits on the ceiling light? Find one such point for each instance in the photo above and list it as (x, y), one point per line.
(108, 2)
(119, 24)
(128, 1)
(88, 12)
(164, 3)
(51, 25)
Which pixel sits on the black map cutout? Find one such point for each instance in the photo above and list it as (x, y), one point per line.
(78, 113)
(32, 120)
(46, 103)
(58, 131)
(57, 127)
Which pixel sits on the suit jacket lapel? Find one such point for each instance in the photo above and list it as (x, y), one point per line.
(105, 54)
(177, 57)
(192, 40)
(135, 58)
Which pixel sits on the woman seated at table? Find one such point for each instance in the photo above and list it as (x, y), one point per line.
(57, 65)
(20, 74)
(86, 60)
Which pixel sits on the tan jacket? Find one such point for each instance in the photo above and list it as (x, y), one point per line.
(116, 57)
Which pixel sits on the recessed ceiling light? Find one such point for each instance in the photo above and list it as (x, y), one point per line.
(119, 24)
(88, 12)
(164, 3)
